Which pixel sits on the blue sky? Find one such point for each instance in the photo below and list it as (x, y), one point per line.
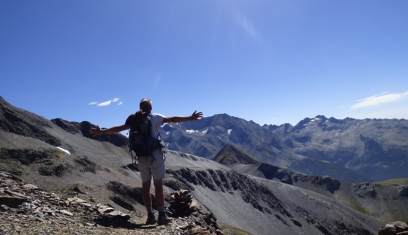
(272, 62)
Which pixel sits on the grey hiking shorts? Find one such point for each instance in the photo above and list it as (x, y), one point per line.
(155, 168)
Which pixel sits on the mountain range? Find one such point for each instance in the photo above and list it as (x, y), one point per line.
(245, 193)
(348, 149)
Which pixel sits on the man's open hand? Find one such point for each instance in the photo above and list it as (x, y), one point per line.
(196, 116)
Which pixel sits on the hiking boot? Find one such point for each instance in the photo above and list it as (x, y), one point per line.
(150, 219)
(162, 218)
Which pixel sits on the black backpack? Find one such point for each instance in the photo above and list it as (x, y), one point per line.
(141, 140)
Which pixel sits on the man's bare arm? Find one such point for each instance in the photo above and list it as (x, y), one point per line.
(192, 117)
(115, 129)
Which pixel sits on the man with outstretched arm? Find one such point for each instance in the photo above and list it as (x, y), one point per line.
(148, 167)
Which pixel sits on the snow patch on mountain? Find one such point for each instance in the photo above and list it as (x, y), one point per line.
(201, 132)
(64, 150)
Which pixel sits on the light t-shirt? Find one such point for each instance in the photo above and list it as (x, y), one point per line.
(157, 121)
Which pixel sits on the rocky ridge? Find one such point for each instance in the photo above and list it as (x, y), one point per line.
(83, 128)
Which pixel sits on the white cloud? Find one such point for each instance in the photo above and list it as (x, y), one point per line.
(378, 100)
(106, 103)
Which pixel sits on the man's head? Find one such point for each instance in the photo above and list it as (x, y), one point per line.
(146, 105)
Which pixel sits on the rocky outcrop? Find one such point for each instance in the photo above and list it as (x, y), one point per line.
(83, 128)
(23, 123)
(365, 190)
(181, 202)
(27, 209)
(29, 204)
(403, 191)
(268, 170)
(71, 127)
(394, 228)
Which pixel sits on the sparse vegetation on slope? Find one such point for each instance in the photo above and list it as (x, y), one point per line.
(394, 182)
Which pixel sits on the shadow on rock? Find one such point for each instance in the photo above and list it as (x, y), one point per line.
(116, 222)
(132, 167)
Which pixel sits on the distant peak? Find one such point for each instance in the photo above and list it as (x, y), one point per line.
(231, 154)
(322, 117)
